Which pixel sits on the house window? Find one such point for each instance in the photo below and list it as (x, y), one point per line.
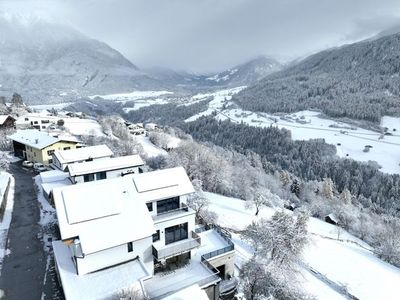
(43, 127)
(176, 233)
(167, 205)
(101, 175)
(130, 247)
(34, 154)
(26, 119)
(150, 206)
(66, 148)
(50, 161)
(156, 236)
(50, 152)
(88, 177)
(45, 121)
(35, 122)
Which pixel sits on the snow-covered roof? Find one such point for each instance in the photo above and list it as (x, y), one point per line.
(103, 214)
(162, 184)
(34, 138)
(3, 118)
(80, 154)
(53, 175)
(103, 284)
(49, 186)
(192, 292)
(114, 163)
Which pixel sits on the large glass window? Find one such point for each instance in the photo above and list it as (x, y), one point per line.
(167, 205)
(176, 233)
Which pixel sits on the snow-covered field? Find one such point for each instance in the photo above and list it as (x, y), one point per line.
(217, 103)
(145, 102)
(135, 95)
(57, 106)
(350, 141)
(149, 148)
(78, 126)
(347, 262)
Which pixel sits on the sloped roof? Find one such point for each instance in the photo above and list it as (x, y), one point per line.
(103, 214)
(80, 154)
(108, 213)
(34, 138)
(3, 118)
(113, 163)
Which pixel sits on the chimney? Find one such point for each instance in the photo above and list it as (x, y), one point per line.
(36, 141)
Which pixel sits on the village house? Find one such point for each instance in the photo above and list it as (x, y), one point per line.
(105, 169)
(61, 159)
(136, 129)
(39, 121)
(38, 147)
(151, 240)
(6, 121)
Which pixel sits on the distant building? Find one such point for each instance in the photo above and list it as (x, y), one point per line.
(6, 121)
(37, 146)
(36, 121)
(61, 158)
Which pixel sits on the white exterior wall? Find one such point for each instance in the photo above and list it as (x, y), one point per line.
(110, 174)
(110, 257)
(172, 222)
(63, 166)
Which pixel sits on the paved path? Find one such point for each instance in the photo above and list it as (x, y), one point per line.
(28, 272)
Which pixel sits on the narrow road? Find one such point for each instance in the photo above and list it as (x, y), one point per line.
(27, 273)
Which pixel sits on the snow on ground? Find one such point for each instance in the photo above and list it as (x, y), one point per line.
(57, 106)
(143, 103)
(77, 126)
(5, 223)
(346, 262)
(217, 103)
(149, 148)
(135, 95)
(349, 140)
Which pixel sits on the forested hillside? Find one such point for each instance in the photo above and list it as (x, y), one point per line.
(359, 81)
(309, 160)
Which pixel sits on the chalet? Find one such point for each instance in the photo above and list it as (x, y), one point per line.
(136, 129)
(331, 219)
(38, 146)
(137, 231)
(6, 121)
(106, 168)
(61, 159)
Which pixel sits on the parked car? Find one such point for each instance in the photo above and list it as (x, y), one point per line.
(27, 164)
(39, 167)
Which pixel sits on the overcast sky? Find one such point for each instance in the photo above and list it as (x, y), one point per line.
(208, 35)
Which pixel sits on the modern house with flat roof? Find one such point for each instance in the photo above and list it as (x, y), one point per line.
(37, 146)
(61, 159)
(141, 220)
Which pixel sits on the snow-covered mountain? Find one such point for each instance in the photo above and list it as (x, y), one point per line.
(43, 61)
(245, 74)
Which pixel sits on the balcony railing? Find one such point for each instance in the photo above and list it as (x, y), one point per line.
(183, 209)
(163, 252)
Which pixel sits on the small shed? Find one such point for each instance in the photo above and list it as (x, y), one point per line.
(6, 121)
(331, 219)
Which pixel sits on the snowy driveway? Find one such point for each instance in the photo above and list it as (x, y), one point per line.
(24, 269)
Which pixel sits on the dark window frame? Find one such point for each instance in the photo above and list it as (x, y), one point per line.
(149, 206)
(88, 177)
(130, 246)
(167, 205)
(176, 233)
(156, 236)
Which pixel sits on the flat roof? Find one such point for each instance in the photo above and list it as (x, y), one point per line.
(79, 154)
(104, 284)
(191, 292)
(113, 163)
(53, 175)
(103, 213)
